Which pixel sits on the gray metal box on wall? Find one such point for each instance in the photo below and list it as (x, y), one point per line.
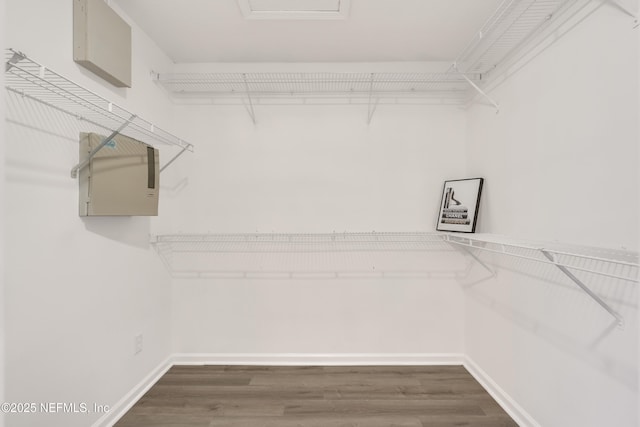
(102, 41)
(120, 179)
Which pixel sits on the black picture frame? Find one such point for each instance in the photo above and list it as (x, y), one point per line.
(459, 205)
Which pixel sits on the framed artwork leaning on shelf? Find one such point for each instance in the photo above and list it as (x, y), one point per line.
(459, 205)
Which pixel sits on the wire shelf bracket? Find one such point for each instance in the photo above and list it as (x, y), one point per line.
(584, 287)
(621, 6)
(478, 260)
(252, 113)
(477, 89)
(166, 165)
(14, 59)
(36, 82)
(76, 168)
(372, 105)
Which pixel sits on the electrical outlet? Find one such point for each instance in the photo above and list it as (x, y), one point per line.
(137, 344)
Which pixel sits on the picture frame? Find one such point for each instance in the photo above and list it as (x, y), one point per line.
(459, 205)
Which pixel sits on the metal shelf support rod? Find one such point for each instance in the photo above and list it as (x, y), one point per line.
(173, 159)
(477, 88)
(17, 57)
(584, 287)
(251, 112)
(372, 107)
(476, 258)
(76, 168)
(623, 8)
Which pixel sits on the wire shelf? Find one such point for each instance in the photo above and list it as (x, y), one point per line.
(214, 255)
(450, 86)
(34, 81)
(504, 35)
(575, 262)
(602, 260)
(506, 31)
(308, 256)
(374, 255)
(302, 242)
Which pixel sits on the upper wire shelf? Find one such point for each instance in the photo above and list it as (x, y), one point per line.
(512, 24)
(32, 80)
(618, 264)
(442, 86)
(309, 255)
(504, 35)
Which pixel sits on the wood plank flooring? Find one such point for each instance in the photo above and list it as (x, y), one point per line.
(316, 396)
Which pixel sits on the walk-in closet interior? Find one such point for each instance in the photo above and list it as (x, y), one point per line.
(259, 194)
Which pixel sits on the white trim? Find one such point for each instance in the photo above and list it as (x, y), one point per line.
(307, 359)
(510, 406)
(123, 405)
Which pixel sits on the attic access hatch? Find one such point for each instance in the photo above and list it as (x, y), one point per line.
(294, 9)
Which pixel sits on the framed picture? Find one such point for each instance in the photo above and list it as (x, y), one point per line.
(459, 205)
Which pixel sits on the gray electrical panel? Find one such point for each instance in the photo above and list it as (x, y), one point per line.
(102, 41)
(122, 178)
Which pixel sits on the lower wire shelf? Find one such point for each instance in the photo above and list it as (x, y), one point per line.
(381, 255)
(308, 255)
(575, 262)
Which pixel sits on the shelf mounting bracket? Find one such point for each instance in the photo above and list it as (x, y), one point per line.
(584, 287)
(372, 105)
(250, 109)
(76, 168)
(478, 260)
(173, 159)
(621, 6)
(17, 57)
(477, 88)
(470, 253)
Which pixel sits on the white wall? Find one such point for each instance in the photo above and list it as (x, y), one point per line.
(317, 169)
(70, 327)
(341, 317)
(561, 163)
(77, 289)
(562, 151)
(2, 204)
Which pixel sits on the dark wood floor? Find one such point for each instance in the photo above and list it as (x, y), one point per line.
(370, 396)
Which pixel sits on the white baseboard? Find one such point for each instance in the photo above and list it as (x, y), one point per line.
(308, 359)
(123, 405)
(511, 407)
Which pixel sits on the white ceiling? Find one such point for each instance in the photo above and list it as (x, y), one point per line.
(374, 31)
